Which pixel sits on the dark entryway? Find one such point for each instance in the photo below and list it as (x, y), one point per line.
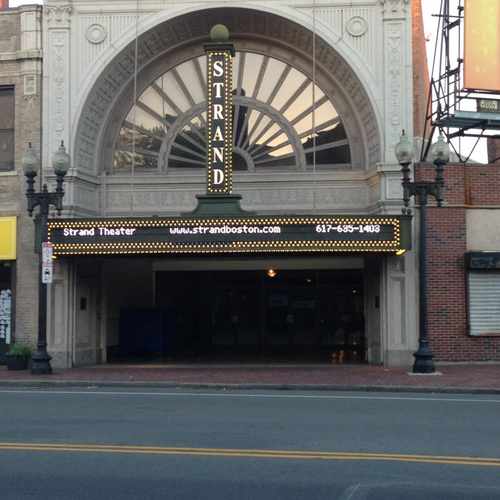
(236, 316)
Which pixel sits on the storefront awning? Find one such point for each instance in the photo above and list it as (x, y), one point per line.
(7, 238)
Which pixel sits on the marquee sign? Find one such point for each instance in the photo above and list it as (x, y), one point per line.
(258, 234)
(219, 119)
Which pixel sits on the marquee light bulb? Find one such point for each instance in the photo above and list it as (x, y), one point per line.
(272, 273)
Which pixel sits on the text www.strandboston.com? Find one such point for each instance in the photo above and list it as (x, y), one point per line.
(243, 229)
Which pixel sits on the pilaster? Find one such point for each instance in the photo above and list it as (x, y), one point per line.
(399, 310)
(398, 89)
(57, 21)
(61, 314)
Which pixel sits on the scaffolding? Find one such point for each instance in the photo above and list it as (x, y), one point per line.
(453, 109)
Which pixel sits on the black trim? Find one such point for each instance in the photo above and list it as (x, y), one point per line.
(482, 260)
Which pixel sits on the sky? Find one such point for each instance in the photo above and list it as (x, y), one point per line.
(429, 7)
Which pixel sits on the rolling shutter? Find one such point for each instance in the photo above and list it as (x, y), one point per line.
(484, 303)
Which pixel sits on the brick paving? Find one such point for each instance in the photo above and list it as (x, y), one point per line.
(453, 377)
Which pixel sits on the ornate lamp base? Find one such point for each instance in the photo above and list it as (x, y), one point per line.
(424, 362)
(40, 363)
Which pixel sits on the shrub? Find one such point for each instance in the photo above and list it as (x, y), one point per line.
(23, 351)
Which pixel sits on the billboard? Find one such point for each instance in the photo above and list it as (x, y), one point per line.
(482, 45)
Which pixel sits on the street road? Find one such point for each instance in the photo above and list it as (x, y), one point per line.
(145, 444)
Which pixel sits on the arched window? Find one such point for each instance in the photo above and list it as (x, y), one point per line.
(282, 121)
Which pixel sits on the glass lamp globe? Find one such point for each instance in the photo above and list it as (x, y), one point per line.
(61, 161)
(441, 150)
(219, 34)
(30, 162)
(404, 149)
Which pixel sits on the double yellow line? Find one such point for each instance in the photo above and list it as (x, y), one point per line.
(225, 452)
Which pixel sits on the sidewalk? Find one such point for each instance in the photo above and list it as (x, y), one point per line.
(475, 378)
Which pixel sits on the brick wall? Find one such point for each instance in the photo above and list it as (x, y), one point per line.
(494, 151)
(9, 31)
(467, 187)
(421, 80)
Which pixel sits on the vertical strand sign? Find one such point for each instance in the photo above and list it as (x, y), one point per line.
(219, 112)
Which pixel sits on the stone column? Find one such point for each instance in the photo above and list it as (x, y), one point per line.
(398, 274)
(399, 310)
(61, 314)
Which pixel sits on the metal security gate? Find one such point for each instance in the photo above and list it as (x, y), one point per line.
(484, 302)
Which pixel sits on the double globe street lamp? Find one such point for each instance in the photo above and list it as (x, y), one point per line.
(40, 361)
(421, 190)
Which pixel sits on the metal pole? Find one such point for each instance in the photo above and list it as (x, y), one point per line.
(40, 360)
(423, 357)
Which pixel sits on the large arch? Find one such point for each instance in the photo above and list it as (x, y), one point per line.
(172, 41)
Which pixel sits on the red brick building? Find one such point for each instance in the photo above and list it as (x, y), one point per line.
(463, 314)
(453, 232)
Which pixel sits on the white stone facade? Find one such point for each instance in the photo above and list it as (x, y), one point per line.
(363, 57)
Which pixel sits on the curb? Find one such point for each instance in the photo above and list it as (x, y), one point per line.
(97, 384)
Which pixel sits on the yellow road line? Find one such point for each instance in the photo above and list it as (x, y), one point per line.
(225, 452)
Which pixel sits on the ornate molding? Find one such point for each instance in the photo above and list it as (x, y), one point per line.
(394, 81)
(59, 57)
(58, 16)
(96, 34)
(357, 26)
(358, 112)
(394, 8)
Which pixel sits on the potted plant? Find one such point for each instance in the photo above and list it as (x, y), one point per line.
(18, 357)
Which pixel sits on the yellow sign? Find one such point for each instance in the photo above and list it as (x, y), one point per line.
(7, 238)
(482, 45)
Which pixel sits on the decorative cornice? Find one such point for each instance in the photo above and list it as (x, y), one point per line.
(393, 8)
(58, 16)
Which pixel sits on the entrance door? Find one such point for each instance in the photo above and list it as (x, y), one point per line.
(256, 315)
(291, 311)
(233, 303)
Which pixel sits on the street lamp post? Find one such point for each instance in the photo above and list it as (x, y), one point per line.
(421, 190)
(40, 361)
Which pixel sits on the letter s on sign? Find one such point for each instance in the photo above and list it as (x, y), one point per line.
(218, 68)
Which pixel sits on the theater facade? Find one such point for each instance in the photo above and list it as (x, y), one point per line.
(291, 244)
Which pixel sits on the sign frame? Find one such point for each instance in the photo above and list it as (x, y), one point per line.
(219, 119)
(481, 58)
